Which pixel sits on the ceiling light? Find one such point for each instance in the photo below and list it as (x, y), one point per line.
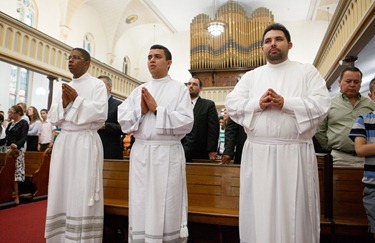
(131, 19)
(215, 27)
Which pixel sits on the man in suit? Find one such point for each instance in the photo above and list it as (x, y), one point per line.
(202, 141)
(235, 138)
(111, 133)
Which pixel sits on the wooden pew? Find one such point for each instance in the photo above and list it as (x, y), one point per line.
(7, 169)
(342, 210)
(115, 186)
(41, 176)
(325, 173)
(33, 161)
(37, 171)
(348, 211)
(213, 193)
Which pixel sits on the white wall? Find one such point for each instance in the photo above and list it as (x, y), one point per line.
(306, 37)
(9, 7)
(49, 18)
(79, 27)
(5, 72)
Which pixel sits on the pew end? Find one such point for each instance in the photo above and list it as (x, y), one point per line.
(7, 170)
(41, 176)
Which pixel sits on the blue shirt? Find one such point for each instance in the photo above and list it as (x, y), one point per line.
(364, 126)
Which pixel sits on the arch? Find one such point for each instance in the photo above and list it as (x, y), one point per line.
(27, 12)
(25, 45)
(89, 43)
(126, 65)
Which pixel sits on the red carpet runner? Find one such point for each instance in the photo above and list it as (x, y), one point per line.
(23, 223)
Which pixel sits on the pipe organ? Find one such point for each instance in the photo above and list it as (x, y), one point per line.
(222, 60)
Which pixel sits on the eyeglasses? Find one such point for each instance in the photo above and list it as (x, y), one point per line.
(74, 57)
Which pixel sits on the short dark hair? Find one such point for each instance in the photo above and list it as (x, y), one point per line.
(109, 80)
(85, 54)
(44, 110)
(168, 54)
(277, 26)
(200, 81)
(371, 85)
(350, 69)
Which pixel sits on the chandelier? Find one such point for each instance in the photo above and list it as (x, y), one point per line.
(215, 27)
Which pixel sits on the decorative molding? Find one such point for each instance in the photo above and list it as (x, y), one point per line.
(351, 27)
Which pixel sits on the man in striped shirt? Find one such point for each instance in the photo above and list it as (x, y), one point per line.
(363, 135)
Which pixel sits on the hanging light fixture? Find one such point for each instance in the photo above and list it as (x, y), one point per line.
(215, 27)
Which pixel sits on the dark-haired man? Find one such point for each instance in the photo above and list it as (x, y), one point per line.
(333, 133)
(201, 142)
(75, 192)
(279, 105)
(159, 114)
(110, 133)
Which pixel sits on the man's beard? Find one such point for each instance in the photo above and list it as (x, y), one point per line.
(194, 95)
(275, 57)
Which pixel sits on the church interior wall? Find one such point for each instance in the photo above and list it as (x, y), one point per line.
(135, 43)
(306, 38)
(49, 18)
(9, 7)
(87, 20)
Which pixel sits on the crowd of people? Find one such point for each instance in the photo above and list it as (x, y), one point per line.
(268, 125)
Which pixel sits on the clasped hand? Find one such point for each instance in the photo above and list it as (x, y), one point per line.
(148, 102)
(68, 94)
(271, 99)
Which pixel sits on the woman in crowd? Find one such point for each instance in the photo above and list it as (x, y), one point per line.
(35, 124)
(16, 136)
(2, 134)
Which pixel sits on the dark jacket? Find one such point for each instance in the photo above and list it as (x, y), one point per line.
(18, 134)
(235, 138)
(204, 136)
(111, 135)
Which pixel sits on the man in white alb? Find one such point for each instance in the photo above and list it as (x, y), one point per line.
(75, 192)
(279, 105)
(159, 113)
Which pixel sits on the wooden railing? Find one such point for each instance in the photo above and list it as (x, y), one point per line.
(351, 27)
(27, 47)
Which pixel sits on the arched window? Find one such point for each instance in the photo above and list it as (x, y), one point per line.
(126, 65)
(26, 12)
(18, 85)
(20, 77)
(89, 44)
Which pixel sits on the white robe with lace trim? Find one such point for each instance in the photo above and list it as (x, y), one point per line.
(75, 195)
(279, 191)
(157, 186)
